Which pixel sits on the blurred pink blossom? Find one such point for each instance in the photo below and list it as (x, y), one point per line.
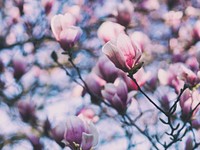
(109, 30)
(124, 13)
(106, 69)
(123, 52)
(75, 10)
(95, 83)
(173, 18)
(117, 95)
(150, 4)
(141, 40)
(170, 77)
(88, 114)
(141, 77)
(188, 76)
(80, 133)
(188, 101)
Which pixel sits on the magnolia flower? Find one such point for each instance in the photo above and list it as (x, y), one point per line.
(109, 30)
(95, 83)
(117, 95)
(60, 23)
(170, 77)
(69, 37)
(64, 30)
(106, 70)
(80, 134)
(188, 101)
(122, 52)
(188, 76)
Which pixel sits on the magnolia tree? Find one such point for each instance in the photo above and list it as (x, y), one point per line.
(103, 74)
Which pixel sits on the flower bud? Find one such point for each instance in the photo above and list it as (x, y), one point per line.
(122, 52)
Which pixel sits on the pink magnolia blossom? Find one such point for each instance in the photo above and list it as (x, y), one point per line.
(188, 76)
(117, 95)
(80, 133)
(122, 52)
(173, 18)
(170, 77)
(106, 70)
(64, 30)
(188, 101)
(88, 114)
(95, 83)
(109, 30)
(69, 37)
(60, 23)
